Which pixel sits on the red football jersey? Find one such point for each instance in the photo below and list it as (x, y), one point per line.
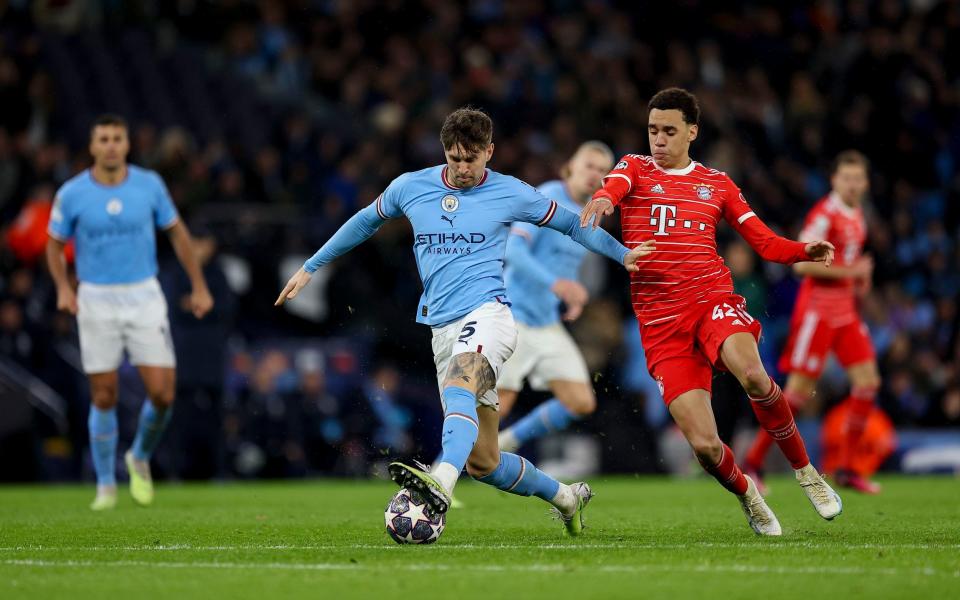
(843, 226)
(681, 209)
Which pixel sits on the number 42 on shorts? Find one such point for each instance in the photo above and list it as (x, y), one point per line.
(723, 310)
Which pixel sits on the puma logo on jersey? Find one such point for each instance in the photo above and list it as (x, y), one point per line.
(448, 219)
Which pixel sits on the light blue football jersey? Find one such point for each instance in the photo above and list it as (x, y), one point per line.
(536, 258)
(460, 235)
(113, 225)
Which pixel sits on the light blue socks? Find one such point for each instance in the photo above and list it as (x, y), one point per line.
(517, 475)
(149, 430)
(103, 444)
(547, 417)
(460, 426)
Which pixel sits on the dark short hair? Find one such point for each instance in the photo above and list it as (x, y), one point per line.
(677, 99)
(108, 119)
(467, 127)
(850, 157)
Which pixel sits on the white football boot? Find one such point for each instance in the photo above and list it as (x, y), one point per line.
(759, 516)
(826, 501)
(106, 498)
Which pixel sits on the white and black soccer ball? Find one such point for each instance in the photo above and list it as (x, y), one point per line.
(410, 521)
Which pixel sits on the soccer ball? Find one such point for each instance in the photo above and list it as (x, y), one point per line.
(410, 521)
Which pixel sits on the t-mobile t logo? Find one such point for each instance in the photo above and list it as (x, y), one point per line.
(659, 214)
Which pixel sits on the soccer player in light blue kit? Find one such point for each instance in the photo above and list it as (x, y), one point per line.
(111, 211)
(541, 274)
(461, 213)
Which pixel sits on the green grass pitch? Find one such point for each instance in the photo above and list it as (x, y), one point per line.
(653, 537)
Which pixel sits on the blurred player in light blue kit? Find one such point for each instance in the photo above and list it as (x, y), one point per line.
(461, 214)
(541, 275)
(111, 211)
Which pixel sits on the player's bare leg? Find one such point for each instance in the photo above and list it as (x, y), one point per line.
(798, 391)
(572, 401)
(864, 383)
(693, 414)
(102, 424)
(508, 399)
(514, 474)
(741, 356)
(160, 384)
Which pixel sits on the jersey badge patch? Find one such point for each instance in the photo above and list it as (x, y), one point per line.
(114, 206)
(450, 203)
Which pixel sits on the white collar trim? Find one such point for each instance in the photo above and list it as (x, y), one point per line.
(684, 171)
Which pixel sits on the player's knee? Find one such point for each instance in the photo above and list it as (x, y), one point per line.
(583, 404)
(104, 397)
(871, 383)
(162, 398)
(755, 380)
(482, 463)
(709, 449)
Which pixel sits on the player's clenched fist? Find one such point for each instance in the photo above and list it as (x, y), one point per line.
(201, 302)
(67, 300)
(638, 252)
(820, 251)
(293, 287)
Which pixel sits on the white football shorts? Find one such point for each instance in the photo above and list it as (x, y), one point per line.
(544, 354)
(131, 317)
(488, 329)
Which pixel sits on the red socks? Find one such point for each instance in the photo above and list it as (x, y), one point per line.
(727, 472)
(776, 419)
(861, 403)
(757, 454)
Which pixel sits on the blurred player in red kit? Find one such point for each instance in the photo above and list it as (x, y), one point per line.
(825, 316)
(690, 319)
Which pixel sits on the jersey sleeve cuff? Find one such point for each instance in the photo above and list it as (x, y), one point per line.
(171, 223)
(57, 236)
(550, 212)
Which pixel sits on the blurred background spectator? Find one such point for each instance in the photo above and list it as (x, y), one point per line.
(274, 121)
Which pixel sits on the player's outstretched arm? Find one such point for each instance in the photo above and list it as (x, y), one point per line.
(351, 234)
(593, 211)
(598, 240)
(616, 185)
(862, 269)
(774, 248)
(200, 299)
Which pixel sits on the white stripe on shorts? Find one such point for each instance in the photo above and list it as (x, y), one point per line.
(804, 337)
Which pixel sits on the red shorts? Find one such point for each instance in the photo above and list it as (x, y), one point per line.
(812, 338)
(682, 353)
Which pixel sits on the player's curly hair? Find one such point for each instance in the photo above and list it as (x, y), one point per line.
(467, 127)
(677, 99)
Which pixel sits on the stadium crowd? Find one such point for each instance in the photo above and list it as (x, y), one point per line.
(340, 97)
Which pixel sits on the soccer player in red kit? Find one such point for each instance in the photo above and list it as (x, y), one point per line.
(825, 316)
(690, 319)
